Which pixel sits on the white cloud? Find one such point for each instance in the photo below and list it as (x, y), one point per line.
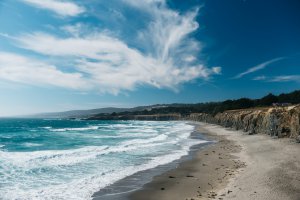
(94, 46)
(109, 64)
(285, 78)
(17, 68)
(258, 67)
(189, 58)
(61, 7)
(216, 70)
(144, 3)
(259, 78)
(167, 35)
(114, 65)
(281, 78)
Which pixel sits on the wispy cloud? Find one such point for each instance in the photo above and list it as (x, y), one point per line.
(258, 67)
(60, 7)
(217, 70)
(259, 78)
(113, 66)
(281, 78)
(285, 78)
(107, 63)
(20, 69)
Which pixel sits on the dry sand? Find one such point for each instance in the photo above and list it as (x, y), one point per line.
(239, 166)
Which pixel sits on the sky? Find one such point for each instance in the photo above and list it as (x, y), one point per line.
(58, 55)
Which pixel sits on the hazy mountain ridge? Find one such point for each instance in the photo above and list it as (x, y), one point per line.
(90, 112)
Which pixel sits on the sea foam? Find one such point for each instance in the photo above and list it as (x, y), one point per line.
(79, 169)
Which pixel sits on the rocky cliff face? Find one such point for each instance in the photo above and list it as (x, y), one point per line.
(275, 121)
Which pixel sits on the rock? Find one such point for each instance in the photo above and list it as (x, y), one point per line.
(277, 122)
(298, 139)
(189, 176)
(251, 132)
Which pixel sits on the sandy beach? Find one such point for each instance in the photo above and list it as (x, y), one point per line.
(238, 166)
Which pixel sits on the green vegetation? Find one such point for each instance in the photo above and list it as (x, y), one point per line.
(216, 107)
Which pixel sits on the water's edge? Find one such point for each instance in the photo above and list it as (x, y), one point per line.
(122, 189)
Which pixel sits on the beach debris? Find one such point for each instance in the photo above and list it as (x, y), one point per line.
(189, 176)
(172, 177)
(212, 195)
(229, 191)
(162, 188)
(199, 194)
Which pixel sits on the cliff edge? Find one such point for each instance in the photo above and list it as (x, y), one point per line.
(274, 121)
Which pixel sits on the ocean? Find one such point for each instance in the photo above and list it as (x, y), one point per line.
(73, 159)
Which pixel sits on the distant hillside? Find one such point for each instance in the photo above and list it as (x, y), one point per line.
(91, 112)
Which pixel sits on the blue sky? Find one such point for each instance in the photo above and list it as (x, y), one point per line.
(58, 55)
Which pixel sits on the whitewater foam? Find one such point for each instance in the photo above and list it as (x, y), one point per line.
(92, 159)
(84, 188)
(75, 129)
(29, 144)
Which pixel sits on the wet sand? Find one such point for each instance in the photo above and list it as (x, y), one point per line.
(239, 166)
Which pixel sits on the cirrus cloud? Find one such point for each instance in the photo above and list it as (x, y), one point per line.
(102, 60)
(111, 65)
(280, 78)
(286, 78)
(258, 67)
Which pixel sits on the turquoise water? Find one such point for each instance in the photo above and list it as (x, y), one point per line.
(69, 159)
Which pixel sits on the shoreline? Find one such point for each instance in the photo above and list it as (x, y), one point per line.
(122, 189)
(239, 166)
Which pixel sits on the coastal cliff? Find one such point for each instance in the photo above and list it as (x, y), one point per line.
(274, 121)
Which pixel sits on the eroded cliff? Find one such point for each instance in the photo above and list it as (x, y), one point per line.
(274, 121)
